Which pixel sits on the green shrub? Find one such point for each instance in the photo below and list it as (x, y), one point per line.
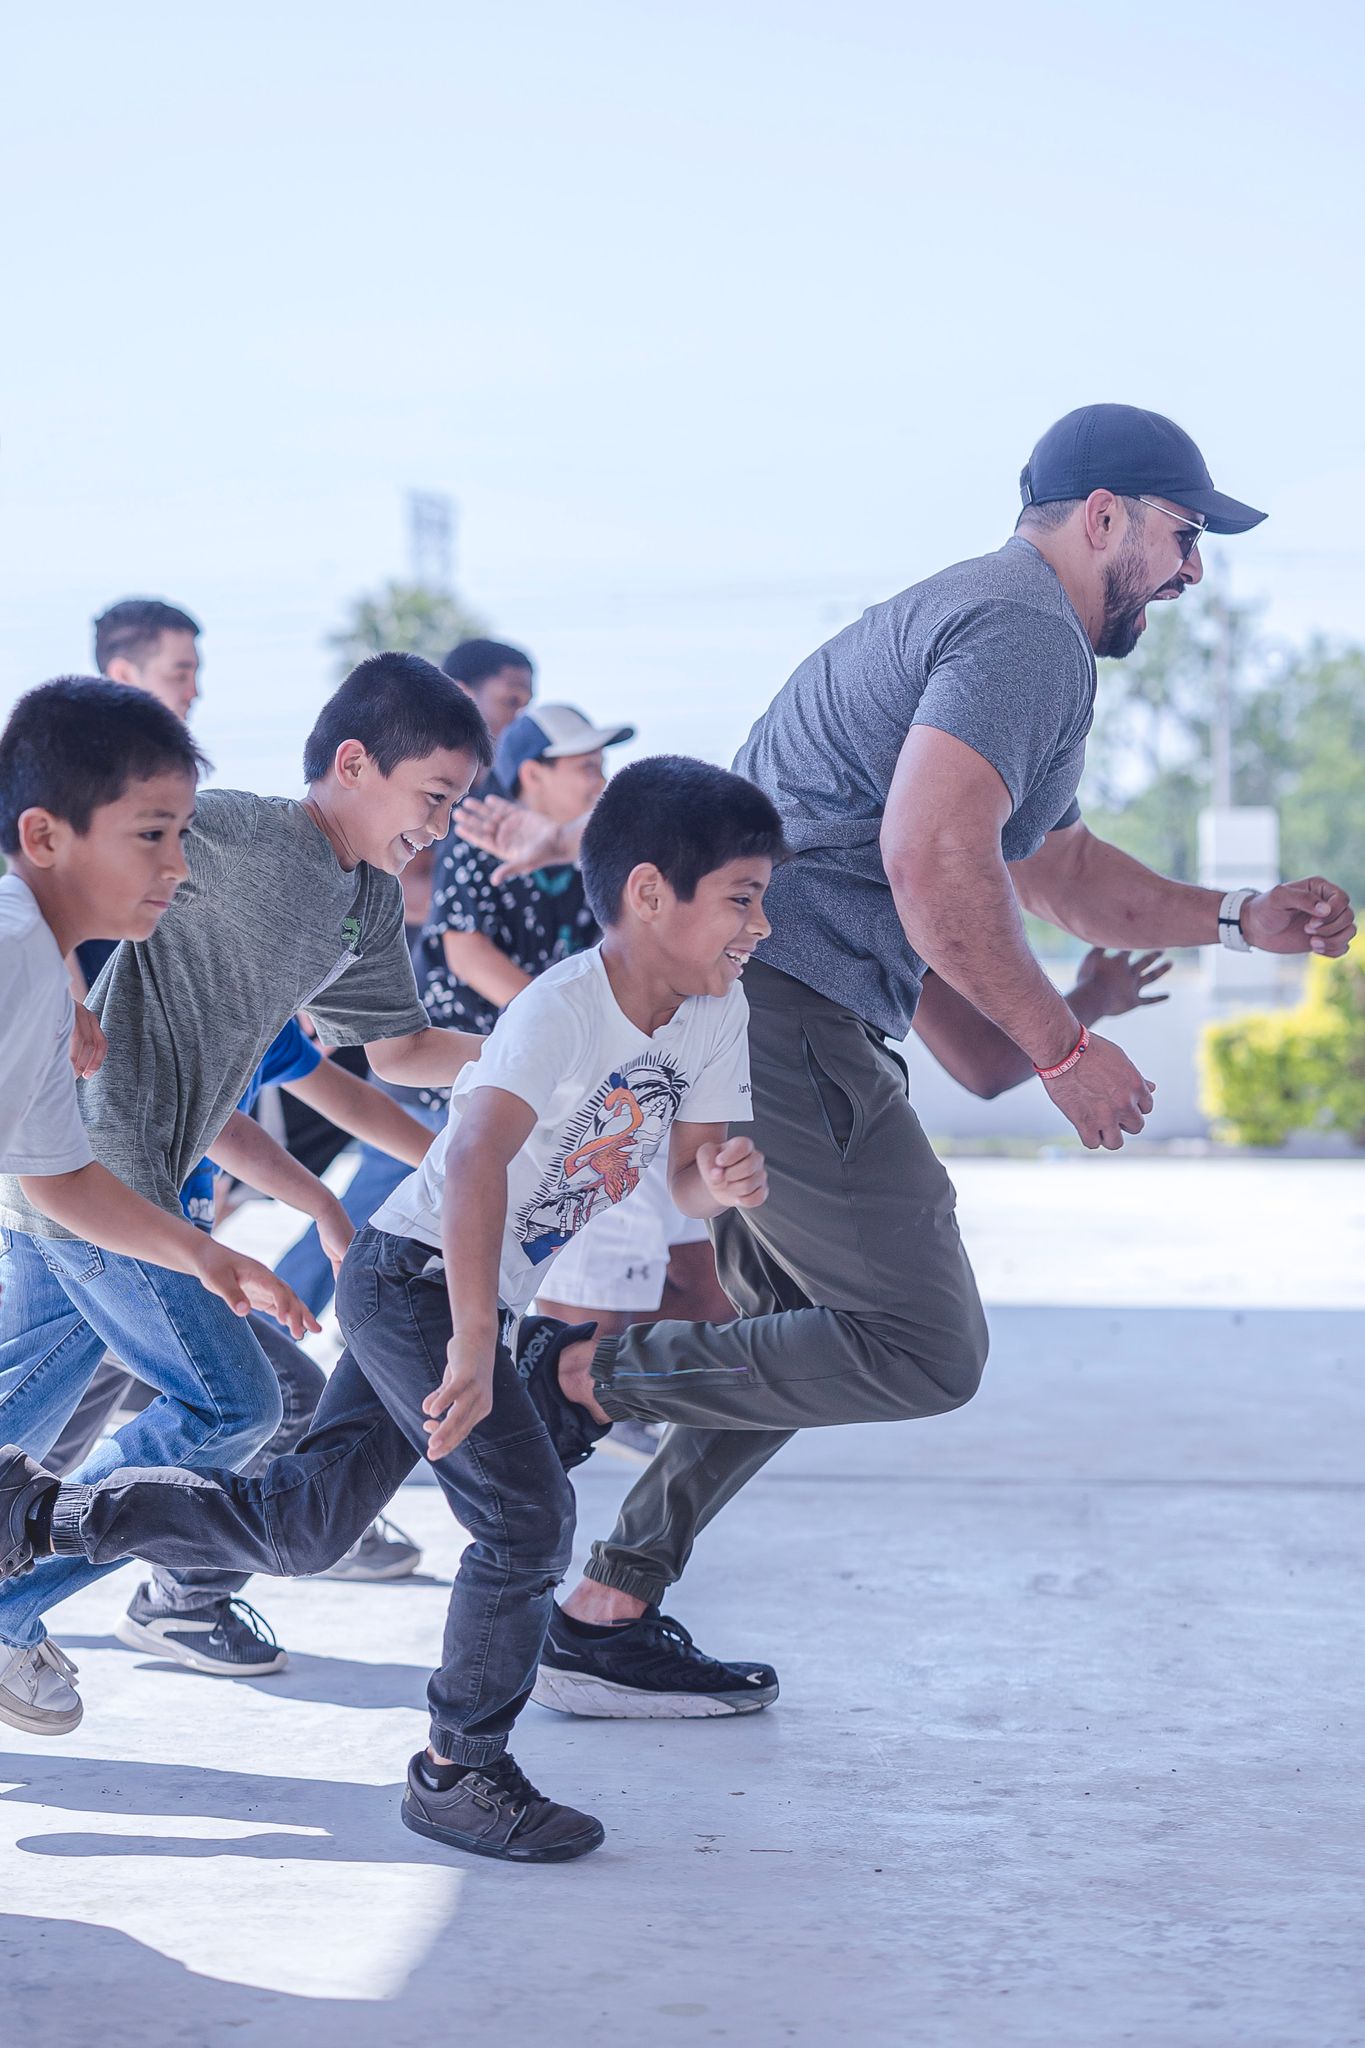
(1270, 1073)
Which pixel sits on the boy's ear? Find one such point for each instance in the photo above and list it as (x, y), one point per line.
(645, 891)
(42, 836)
(349, 762)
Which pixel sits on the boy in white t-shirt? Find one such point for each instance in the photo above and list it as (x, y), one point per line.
(97, 790)
(607, 1057)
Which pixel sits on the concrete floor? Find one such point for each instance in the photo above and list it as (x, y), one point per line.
(1068, 1750)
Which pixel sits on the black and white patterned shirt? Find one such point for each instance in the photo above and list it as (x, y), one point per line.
(534, 919)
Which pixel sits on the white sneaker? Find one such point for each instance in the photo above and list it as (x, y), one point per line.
(36, 1693)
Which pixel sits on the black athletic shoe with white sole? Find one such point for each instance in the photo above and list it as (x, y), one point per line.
(646, 1670)
(495, 1810)
(228, 1640)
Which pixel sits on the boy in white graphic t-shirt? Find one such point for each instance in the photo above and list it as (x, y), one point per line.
(605, 1060)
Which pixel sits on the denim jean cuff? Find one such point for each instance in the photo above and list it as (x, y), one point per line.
(646, 1586)
(68, 1513)
(472, 1751)
(603, 1363)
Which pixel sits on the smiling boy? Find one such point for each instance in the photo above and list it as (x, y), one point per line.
(288, 905)
(607, 1058)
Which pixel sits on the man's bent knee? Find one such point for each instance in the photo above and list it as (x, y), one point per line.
(938, 1370)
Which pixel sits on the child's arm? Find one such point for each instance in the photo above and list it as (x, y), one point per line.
(473, 959)
(365, 1111)
(491, 1132)
(522, 839)
(984, 1059)
(98, 1208)
(708, 1172)
(243, 1148)
(430, 1058)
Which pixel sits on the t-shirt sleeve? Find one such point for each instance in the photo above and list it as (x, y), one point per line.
(721, 1093)
(1010, 682)
(536, 1041)
(376, 996)
(1070, 816)
(49, 1136)
(463, 899)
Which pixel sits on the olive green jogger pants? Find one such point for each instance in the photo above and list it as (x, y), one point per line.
(856, 1299)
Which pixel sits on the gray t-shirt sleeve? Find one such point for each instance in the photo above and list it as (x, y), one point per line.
(1009, 682)
(376, 996)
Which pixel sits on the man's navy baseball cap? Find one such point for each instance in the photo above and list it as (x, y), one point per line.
(549, 733)
(1135, 454)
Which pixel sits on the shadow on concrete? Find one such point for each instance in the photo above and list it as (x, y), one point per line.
(59, 1974)
(359, 1823)
(328, 1681)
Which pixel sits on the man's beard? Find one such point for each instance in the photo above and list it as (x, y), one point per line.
(1125, 596)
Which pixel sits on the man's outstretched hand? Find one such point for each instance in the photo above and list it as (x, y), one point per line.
(522, 839)
(1314, 916)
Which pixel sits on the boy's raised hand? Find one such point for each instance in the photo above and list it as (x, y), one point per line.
(463, 1398)
(245, 1284)
(735, 1174)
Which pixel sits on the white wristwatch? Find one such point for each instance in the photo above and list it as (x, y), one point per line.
(1230, 933)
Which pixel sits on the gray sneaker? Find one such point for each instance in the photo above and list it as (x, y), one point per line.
(228, 1640)
(383, 1552)
(36, 1692)
(496, 1811)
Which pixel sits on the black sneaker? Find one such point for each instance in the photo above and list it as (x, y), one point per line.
(496, 1811)
(646, 1670)
(22, 1485)
(540, 1340)
(227, 1640)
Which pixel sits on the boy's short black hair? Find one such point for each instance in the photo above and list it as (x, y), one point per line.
(131, 629)
(474, 661)
(77, 743)
(401, 708)
(686, 817)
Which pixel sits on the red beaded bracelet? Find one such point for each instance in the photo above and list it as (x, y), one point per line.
(1065, 1066)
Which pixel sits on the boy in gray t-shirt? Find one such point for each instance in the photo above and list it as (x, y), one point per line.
(289, 905)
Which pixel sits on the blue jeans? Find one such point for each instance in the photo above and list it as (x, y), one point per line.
(505, 1484)
(64, 1304)
(305, 1266)
(301, 1385)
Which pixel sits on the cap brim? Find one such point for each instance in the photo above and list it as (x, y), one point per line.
(1221, 513)
(589, 742)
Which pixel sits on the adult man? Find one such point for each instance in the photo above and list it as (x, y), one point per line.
(925, 763)
(154, 647)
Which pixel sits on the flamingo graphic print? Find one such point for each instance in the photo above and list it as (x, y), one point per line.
(603, 1153)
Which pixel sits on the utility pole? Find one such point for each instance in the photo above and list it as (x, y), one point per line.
(431, 540)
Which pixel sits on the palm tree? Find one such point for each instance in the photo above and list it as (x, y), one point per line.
(409, 617)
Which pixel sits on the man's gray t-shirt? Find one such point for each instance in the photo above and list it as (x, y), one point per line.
(990, 651)
(268, 923)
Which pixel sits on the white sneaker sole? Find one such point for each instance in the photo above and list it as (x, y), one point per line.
(599, 1699)
(140, 1635)
(39, 1720)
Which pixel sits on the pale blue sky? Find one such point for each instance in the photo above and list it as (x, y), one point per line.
(718, 322)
